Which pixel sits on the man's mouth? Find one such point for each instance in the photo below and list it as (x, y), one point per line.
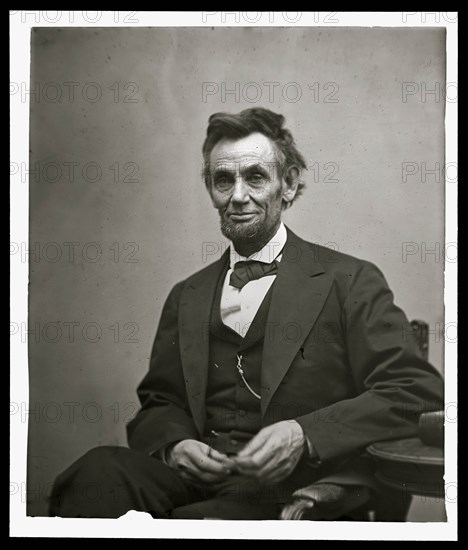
(241, 216)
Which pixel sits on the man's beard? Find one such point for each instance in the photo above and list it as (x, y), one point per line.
(247, 235)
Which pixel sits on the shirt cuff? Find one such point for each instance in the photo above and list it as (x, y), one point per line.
(309, 449)
(162, 454)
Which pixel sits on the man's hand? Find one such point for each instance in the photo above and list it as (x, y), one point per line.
(196, 461)
(273, 453)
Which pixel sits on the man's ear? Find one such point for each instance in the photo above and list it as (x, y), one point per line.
(290, 183)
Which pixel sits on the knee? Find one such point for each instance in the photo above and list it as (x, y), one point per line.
(99, 468)
(91, 480)
(94, 465)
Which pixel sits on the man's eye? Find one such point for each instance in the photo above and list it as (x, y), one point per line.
(256, 178)
(222, 182)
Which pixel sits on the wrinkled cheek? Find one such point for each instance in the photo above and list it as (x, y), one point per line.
(221, 203)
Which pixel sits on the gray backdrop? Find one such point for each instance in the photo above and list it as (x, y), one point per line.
(117, 123)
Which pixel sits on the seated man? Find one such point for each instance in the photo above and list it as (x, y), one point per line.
(272, 368)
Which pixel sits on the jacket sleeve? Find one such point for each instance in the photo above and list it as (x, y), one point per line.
(164, 416)
(394, 384)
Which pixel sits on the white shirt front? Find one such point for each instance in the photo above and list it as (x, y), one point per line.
(239, 306)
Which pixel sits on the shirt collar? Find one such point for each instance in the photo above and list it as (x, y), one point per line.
(271, 251)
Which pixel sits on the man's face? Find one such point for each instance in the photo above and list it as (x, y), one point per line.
(246, 187)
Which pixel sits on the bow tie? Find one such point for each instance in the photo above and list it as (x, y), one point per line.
(251, 270)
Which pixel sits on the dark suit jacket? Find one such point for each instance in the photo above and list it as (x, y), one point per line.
(338, 357)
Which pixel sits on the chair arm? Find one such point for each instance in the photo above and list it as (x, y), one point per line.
(327, 501)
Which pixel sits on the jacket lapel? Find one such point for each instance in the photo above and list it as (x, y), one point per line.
(194, 334)
(299, 293)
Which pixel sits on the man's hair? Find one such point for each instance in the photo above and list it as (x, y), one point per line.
(257, 119)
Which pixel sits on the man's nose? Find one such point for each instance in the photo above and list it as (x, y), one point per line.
(240, 193)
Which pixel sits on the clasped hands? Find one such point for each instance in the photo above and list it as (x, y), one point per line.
(269, 457)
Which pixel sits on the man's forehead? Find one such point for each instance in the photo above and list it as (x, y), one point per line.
(248, 150)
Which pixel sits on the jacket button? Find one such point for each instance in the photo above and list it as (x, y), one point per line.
(233, 442)
(242, 412)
